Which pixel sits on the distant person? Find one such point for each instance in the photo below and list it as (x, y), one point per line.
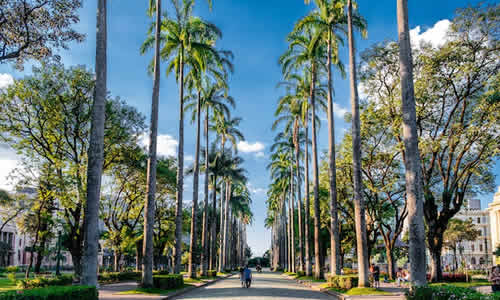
(495, 279)
(401, 276)
(247, 275)
(376, 277)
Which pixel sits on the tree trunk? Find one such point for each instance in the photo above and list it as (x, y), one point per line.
(391, 267)
(292, 221)
(138, 256)
(149, 207)
(334, 232)
(299, 207)
(318, 270)
(192, 245)
(307, 241)
(225, 232)
(213, 229)
(435, 248)
(221, 225)
(414, 191)
(204, 232)
(95, 154)
(359, 206)
(180, 173)
(116, 265)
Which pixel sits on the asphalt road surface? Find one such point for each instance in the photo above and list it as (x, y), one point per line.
(265, 285)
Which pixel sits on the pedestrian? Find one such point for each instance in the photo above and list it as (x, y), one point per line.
(495, 279)
(376, 277)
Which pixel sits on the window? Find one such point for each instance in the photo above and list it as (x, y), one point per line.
(472, 247)
(481, 247)
(473, 261)
(478, 220)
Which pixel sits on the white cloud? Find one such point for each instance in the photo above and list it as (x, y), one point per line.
(260, 154)
(8, 165)
(256, 190)
(188, 158)
(5, 80)
(436, 35)
(339, 111)
(246, 147)
(167, 145)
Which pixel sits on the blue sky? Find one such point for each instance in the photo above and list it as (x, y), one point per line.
(255, 31)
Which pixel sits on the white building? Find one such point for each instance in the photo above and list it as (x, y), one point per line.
(494, 211)
(477, 254)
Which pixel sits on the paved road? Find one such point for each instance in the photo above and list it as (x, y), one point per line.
(265, 285)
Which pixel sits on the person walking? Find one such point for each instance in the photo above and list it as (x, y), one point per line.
(376, 277)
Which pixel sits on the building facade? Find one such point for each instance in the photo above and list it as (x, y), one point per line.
(475, 254)
(494, 213)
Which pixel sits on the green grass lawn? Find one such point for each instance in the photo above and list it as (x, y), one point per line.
(366, 291)
(310, 278)
(222, 274)
(463, 284)
(193, 280)
(152, 291)
(6, 285)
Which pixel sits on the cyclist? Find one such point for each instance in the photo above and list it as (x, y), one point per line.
(247, 275)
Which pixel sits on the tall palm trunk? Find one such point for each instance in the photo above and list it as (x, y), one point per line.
(359, 206)
(226, 225)
(192, 243)
(221, 225)
(334, 230)
(96, 154)
(213, 225)
(414, 191)
(307, 204)
(299, 207)
(317, 260)
(149, 207)
(204, 234)
(180, 172)
(292, 220)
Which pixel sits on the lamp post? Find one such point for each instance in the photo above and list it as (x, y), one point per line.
(58, 257)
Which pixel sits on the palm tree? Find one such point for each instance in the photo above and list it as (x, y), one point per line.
(96, 154)
(359, 206)
(182, 45)
(414, 191)
(329, 19)
(208, 62)
(226, 129)
(149, 207)
(307, 51)
(213, 96)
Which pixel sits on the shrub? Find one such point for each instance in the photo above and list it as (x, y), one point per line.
(44, 282)
(119, 276)
(167, 282)
(446, 292)
(161, 272)
(12, 277)
(343, 282)
(301, 273)
(210, 273)
(53, 293)
(349, 271)
(12, 269)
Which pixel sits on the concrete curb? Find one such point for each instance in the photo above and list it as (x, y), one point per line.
(189, 289)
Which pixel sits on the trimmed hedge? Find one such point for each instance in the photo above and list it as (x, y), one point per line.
(343, 282)
(301, 273)
(446, 292)
(53, 293)
(167, 282)
(44, 282)
(210, 273)
(161, 272)
(119, 276)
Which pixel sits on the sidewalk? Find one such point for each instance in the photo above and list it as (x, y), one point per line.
(397, 292)
(110, 291)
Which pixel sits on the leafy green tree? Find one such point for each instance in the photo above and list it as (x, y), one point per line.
(456, 122)
(33, 29)
(457, 232)
(46, 117)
